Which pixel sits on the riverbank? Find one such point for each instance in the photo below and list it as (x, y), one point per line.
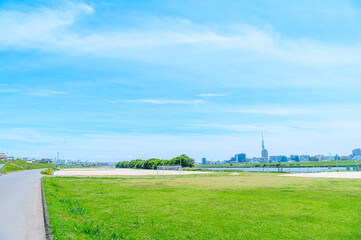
(350, 175)
(282, 169)
(343, 163)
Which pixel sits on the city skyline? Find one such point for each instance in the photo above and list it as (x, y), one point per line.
(265, 158)
(117, 80)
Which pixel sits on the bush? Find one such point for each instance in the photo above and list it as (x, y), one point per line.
(48, 171)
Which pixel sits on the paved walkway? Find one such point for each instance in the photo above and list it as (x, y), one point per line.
(21, 214)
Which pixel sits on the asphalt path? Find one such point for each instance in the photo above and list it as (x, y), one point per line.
(21, 213)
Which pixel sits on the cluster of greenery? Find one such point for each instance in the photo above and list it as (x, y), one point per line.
(343, 163)
(216, 206)
(48, 171)
(153, 163)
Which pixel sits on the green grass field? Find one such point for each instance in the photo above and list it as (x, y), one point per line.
(217, 206)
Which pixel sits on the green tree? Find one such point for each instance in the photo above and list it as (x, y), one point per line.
(184, 160)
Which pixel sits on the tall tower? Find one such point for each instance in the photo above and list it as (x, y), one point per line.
(264, 152)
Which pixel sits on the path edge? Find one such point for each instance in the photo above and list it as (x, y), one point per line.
(48, 233)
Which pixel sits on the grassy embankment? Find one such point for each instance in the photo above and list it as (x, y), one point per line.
(343, 163)
(11, 168)
(217, 206)
(19, 165)
(33, 165)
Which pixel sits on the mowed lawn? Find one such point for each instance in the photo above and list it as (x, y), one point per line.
(220, 206)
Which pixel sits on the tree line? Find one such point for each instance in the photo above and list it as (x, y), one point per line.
(153, 163)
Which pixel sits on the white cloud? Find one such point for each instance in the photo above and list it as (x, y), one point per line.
(32, 92)
(45, 93)
(9, 90)
(49, 29)
(38, 28)
(213, 94)
(163, 101)
(284, 111)
(28, 135)
(247, 128)
(329, 110)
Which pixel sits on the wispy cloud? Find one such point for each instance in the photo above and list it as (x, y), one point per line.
(213, 94)
(50, 29)
(32, 92)
(38, 26)
(247, 128)
(283, 111)
(44, 93)
(9, 90)
(163, 101)
(297, 110)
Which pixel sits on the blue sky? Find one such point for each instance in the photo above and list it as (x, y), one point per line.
(116, 80)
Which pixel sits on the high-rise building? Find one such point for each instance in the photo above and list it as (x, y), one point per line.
(356, 152)
(204, 161)
(264, 152)
(241, 157)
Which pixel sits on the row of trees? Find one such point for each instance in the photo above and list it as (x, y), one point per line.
(153, 163)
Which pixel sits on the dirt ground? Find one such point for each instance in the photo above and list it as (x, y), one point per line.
(119, 172)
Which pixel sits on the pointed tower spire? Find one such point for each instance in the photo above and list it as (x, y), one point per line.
(262, 142)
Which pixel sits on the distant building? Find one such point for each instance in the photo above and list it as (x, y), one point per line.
(255, 160)
(356, 152)
(264, 152)
(3, 156)
(321, 158)
(46, 160)
(294, 158)
(204, 161)
(241, 157)
(346, 157)
(280, 158)
(304, 158)
(60, 162)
